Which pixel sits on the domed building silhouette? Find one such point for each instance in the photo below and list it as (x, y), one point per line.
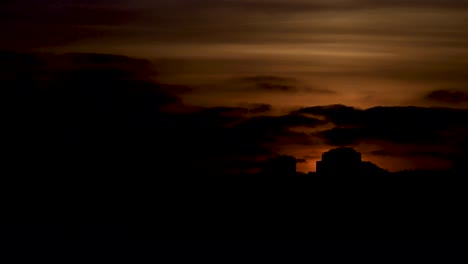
(342, 162)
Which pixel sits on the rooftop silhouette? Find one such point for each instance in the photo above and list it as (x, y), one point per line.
(345, 161)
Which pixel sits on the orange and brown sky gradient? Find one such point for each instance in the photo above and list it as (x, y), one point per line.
(294, 57)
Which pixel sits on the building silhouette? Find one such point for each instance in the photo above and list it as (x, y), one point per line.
(342, 162)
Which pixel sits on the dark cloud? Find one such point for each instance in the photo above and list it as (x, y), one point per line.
(318, 90)
(226, 111)
(107, 110)
(407, 117)
(50, 23)
(227, 136)
(337, 114)
(405, 125)
(395, 153)
(89, 66)
(269, 83)
(268, 79)
(260, 108)
(280, 122)
(282, 6)
(275, 132)
(74, 109)
(275, 87)
(273, 129)
(256, 109)
(72, 112)
(272, 83)
(92, 60)
(341, 136)
(448, 96)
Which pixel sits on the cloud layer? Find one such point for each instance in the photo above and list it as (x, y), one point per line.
(369, 53)
(108, 109)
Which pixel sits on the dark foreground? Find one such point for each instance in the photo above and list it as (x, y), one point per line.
(121, 208)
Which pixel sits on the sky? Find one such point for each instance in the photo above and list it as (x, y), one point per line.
(285, 54)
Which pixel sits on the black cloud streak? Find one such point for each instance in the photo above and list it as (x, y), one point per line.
(443, 127)
(271, 83)
(260, 108)
(386, 153)
(270, 129)
(448, 96)
(281, 6)
(49, 24)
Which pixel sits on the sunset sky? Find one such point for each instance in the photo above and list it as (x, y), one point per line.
(307, 57)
